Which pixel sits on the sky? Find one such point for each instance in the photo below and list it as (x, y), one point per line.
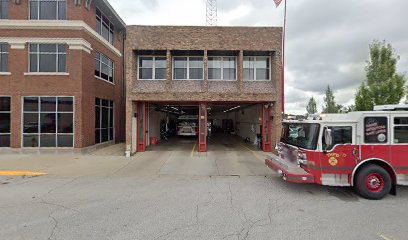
(326, 40)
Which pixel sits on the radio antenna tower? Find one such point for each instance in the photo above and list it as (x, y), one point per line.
(211, 13)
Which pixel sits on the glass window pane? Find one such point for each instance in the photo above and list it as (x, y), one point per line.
(97, 117)
(214, 73)
(401, 134)
(31, 104)
(65, 104)
(105, 103)
(111, 134)
(160, 73)
(4, 104)
(30, 140)
(180, 62)
(48, 122)
(196, 62)
(180, 73)
(248, 74)
(196, 73)
(5, 140)
(111, 118)
(160, 62)
(48, 104)
(262, 74)
(105, 117)
(214, 62)
(48, 63)
(62, 48)
(262, 62)
(48, 48)
(97, 136)
(4, 122)
(30, 123)
(248, 62)
(65, 123)
(146, 62)
(33, 47)
(98, 26)
(65, 140)
(3, 62)
(62, 62)
(401, 120)
(4, 9)
(33, 63)
(228, 62)
(145, 73)
(229, 74)
(105, 135)
(47, 140)
(62, 10)
(375, 129)
(33, 10)
(48, 10)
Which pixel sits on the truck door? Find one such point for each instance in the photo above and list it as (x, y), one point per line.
(337, 161)
(399, 143)
(376, 138)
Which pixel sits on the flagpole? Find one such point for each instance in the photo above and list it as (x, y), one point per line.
(283, 60)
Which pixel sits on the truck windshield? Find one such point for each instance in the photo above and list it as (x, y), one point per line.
(303, 135)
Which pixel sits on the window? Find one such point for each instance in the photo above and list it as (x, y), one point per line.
(222, 68)
(104, 67)
(48, 58)
(103, 120)
(5, 121)
(104, 27)
(341, 135)
(3, 57)
(401, 130)
(4, 9)
(48, 9)
(188, 68)
(256, 68)
(152, 68)
(375, 129)
(48, 121)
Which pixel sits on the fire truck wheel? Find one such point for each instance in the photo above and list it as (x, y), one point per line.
(373, 182)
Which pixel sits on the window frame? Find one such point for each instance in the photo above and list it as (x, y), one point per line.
(153, 67)
(397, 125)
(9, 112)
(334, 146)
(111, 106)
(222, 68)
(2, 52)
(100, 68)
(57, 53)
(38, 10)
(39, 122)
(188, 68)
(7, 9)
(111, 38)
(255, 68)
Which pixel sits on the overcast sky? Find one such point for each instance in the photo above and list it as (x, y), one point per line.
(327, 40)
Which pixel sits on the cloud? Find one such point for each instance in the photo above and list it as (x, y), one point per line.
(326, 44)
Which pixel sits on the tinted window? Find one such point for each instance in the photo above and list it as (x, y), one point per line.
(341, 135)
(48, 9)
(375, 130)
(5, 121)
(47, 58)
(3, 57)
(4, 9)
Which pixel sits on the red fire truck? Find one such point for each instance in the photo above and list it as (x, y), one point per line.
(365, 150)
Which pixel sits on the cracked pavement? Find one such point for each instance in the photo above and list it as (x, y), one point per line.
(144, 198)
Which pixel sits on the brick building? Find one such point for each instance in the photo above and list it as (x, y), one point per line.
(229, 77)
(61, 74)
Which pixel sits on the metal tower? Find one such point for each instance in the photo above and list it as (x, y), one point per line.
(211, 13)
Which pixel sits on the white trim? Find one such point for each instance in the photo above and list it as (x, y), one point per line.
(222, 68)
(66, 25)
(153, 68)
(5, 73)
(73, 43)
(99, 78)
(257, 80)
(46, 74)
(188, 68)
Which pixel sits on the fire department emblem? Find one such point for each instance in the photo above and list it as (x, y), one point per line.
(333, 161)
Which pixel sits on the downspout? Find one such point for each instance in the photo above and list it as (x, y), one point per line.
(123, 95)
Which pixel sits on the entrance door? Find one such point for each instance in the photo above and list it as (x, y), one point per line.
(141, 126)
(202, 127)
(266, 128)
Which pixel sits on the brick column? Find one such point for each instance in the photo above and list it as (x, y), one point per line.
(169, 77)
(240, 66)
(205, 85)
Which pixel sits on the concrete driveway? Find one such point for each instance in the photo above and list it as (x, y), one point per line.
(226, 193)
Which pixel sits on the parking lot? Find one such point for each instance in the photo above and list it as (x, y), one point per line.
(168, 193)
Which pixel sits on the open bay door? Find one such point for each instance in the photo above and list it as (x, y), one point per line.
(202, 127)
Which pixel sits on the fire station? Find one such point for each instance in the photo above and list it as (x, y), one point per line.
(206, 83)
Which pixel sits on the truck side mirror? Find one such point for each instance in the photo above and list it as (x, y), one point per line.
(328, 137)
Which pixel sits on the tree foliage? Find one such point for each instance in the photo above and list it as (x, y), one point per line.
(382, 85)
(330, 105)
(311, 107)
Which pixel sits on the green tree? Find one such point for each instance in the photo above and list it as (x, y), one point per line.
(311, 107)
(330, 105)
(382, 85)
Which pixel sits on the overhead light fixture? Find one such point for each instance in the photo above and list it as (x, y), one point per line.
(232, 109)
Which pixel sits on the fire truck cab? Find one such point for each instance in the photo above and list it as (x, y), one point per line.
(365, 150)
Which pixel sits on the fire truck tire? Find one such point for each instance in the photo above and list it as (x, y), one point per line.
(373, 182)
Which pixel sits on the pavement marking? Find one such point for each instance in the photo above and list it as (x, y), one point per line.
(17, 173)
(384, 237)
(257, 155)
(192, 150)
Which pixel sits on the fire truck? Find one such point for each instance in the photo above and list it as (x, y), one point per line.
(365, 150)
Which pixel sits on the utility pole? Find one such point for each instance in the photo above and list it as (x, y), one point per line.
(211, 13)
